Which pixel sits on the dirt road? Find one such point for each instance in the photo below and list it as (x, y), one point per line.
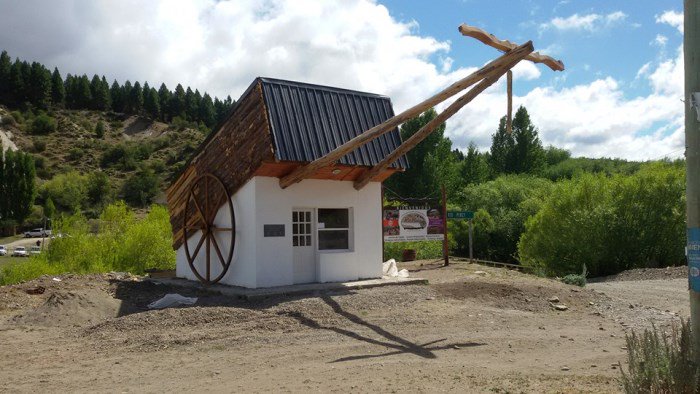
(474, 329)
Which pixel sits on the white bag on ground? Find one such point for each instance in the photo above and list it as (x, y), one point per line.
(389, 269)
(171, 300)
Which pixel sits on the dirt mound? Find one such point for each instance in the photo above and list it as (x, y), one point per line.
(71, 308)
(520, 296)
(646, 274)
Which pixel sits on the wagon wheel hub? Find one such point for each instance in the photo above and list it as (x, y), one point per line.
(209, 202)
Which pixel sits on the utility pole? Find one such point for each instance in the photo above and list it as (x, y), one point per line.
(691, 48)
(445, 242)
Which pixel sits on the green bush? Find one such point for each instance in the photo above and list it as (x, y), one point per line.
(125, 156)
(424, 249)
(609, 223)
(39, 145)
(100, 129)
(75, 154)
(68, 191)
(140, 188)
(661, 363)
(505, 204)
(8, 121)
(43, 124)
(17, 116)
(574, 279)
(122, 243)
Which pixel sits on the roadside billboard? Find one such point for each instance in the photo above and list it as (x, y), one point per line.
(413, 224)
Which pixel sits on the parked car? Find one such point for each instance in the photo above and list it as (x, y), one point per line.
(20, 251)
(37, 232)
(35, 250)
(3, 250)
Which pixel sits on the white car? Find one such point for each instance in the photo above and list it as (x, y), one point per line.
(3, 250)
(20, 251)
(35, 250)
(37, 232)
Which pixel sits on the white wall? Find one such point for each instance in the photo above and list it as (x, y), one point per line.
(268, 261)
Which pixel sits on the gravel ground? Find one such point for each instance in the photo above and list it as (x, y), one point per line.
(474, 328)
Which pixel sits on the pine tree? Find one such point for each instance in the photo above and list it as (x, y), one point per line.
(501, 145)
(151, 103)
(206, 111)
(83, 99)
(474, 167)
(164, 99)
(100, 96)
(69, 86)
(58, 91)
(18, 186)
(117, 95)
(39, 86)
(177, 102)
(17, 83)
(105, 88)
(126, 96)
(5, 66)
(191, 109)
(518, 152)
(136, 99)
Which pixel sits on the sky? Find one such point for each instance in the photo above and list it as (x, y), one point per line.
(620, 95)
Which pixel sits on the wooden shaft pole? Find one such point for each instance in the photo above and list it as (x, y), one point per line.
(420, 135)
(691, 53)
(509, 116)
(471, 234)
(386, 126)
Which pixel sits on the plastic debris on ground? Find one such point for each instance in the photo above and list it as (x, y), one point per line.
(389, 269)
(172, 300)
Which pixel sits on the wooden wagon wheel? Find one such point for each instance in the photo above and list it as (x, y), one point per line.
(205, 197)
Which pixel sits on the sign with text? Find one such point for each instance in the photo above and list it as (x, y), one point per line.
(460, 214)
(409, 224)
(693, 250)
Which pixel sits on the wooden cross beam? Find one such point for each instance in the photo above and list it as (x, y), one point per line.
(307, 170)
(428, 128)
(505, 45)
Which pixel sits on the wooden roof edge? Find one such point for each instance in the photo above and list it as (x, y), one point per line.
(505, 45)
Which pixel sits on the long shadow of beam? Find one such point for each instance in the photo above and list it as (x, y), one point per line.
(400, 344)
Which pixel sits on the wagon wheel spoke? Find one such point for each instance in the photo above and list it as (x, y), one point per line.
(199, 209)
(222, 229)
(199, 246)
(218, 251)
(208, 249)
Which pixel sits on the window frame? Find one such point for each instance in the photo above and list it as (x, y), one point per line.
(349, 229)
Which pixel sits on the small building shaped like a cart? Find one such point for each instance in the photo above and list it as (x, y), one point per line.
(232, 221)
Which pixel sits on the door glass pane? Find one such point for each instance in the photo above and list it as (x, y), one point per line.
(295, 216)
(308, 240)
(295, 228)
(295, 241)
(308, 228)
(333, 239)
(334, 218)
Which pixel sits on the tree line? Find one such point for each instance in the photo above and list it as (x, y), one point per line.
(22, 83)
(540, 207)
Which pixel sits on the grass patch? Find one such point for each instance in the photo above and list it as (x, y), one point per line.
(121, 243)
(661, 362)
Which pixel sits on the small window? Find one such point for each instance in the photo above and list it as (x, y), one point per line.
(334, 229)
(301, 228)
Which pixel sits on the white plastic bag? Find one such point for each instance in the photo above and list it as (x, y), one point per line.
(171, 300)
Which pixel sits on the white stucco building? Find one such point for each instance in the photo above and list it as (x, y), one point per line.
(320, 229)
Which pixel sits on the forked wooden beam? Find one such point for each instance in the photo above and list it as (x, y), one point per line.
(424, 131)
(505, 45)
(509, 92)
(305, 171)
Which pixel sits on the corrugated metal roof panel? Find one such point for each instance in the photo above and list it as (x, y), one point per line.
(308, 121)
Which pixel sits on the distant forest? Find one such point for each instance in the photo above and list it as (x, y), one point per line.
(23, 84)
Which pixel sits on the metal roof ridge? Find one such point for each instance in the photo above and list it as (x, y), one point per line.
(321, 87)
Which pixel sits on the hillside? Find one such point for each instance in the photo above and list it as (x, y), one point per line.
(127, 145)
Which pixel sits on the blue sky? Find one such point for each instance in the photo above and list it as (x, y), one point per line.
(620, 95)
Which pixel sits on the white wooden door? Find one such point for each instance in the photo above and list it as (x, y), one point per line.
(303, 241)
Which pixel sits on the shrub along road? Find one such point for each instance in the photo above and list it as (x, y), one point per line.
(473, 328)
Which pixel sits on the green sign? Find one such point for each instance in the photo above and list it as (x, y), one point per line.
(460, 215)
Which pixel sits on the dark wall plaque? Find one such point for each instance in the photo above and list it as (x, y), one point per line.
(273, 230)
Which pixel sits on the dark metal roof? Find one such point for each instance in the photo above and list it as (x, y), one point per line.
(308, 121)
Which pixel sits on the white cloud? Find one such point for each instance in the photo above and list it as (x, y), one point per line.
(220, 47)
(660, 40)
(588, 22)
(671, 18)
